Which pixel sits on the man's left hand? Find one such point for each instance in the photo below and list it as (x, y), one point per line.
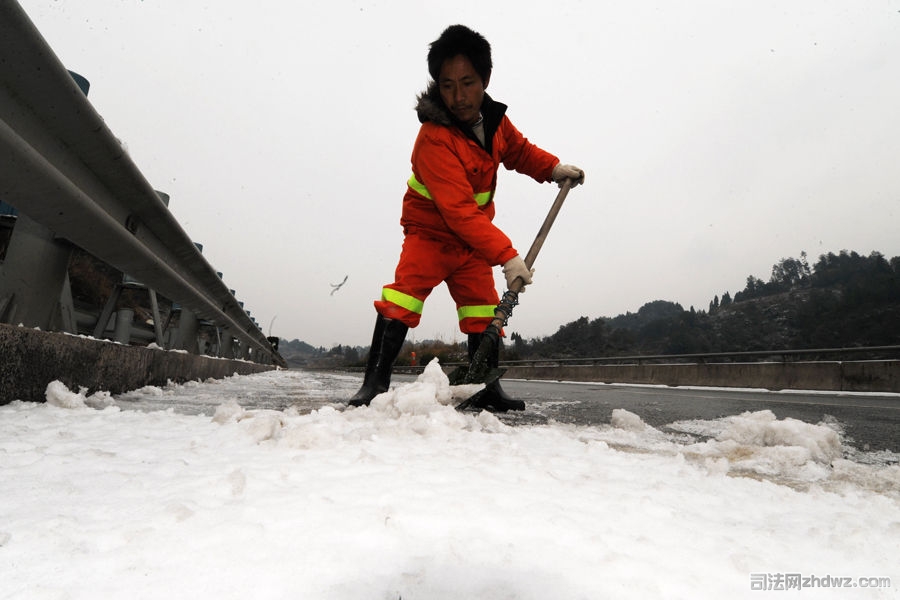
(515, 268)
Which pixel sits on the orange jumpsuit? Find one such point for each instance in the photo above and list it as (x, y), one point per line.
(448, 211)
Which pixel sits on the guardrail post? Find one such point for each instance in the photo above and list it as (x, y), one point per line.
(186, 332)
(124, 321)
(185, 336)
(8, 218)
(34, 279)
(226, 349)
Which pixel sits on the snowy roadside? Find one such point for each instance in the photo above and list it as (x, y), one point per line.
(409, 498)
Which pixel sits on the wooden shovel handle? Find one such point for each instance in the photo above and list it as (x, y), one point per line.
(545, 229)
(518, 283)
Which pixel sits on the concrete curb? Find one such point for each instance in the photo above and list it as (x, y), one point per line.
(30, 359)
(846, 376)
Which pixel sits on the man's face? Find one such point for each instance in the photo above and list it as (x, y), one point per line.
(462, 89)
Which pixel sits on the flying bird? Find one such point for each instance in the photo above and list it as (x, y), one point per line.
(337, 286)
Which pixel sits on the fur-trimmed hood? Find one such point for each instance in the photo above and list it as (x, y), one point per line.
(430, 108)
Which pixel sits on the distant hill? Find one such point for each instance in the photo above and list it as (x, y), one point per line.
(300, 354)
(297, 353)
(844, 300)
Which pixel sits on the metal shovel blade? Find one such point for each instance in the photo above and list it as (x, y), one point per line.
(460, 376)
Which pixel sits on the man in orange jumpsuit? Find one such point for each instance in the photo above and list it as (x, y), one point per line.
(448, 209)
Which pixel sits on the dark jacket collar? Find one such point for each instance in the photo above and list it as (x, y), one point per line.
(430, 108)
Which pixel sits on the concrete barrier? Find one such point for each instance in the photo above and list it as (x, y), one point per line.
(871, 376)
(30, 359)
(856, 376)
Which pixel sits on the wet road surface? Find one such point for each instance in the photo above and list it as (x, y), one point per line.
(870, 422)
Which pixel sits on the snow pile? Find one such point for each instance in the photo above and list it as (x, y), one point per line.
(628, 421)
(430, 390)
(757, 443)
(409, 498)
(760, 443)
(763, 429)
(58, 394)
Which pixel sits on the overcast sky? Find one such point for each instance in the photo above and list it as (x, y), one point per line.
(717, 136)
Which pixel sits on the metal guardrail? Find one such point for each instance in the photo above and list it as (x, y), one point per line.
(62, 166)
(709, 357)
(818, 353)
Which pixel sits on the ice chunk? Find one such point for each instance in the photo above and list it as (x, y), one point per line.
(228, 412)
(762, 428)
(623, 419)
(58, 394)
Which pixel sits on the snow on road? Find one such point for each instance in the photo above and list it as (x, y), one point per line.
(265, 487)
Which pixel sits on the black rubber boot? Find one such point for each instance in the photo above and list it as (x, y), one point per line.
(387, 340)
(492, 397)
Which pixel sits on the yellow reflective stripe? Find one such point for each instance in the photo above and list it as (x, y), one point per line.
(402, 300)
(418, 187)
(481, 198)
(466, 312)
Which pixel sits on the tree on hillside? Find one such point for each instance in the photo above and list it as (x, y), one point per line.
(789, 273)
(755, 288)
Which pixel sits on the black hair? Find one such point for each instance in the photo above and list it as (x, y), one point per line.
(456, 40)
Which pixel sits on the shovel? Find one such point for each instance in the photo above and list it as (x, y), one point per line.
(478, 370)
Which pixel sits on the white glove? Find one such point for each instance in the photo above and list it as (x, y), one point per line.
(515, 268)
(562, 172)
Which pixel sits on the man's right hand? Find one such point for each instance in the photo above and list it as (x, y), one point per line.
(562, 172)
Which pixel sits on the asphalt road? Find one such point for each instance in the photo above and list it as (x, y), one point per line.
(871, 422)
